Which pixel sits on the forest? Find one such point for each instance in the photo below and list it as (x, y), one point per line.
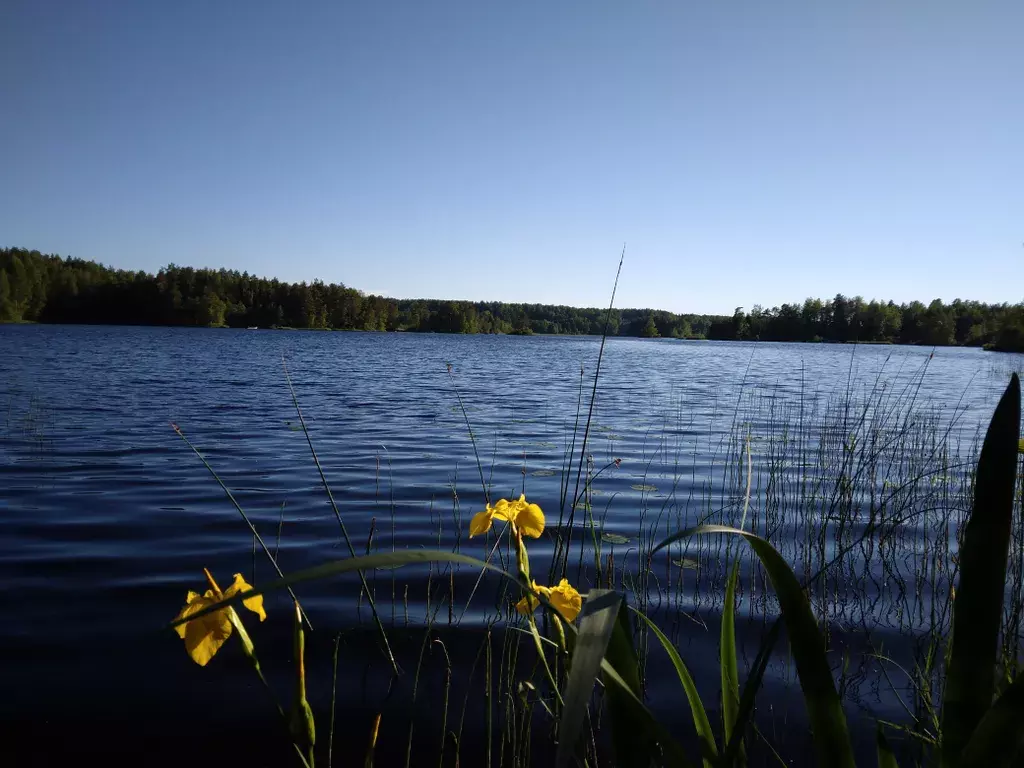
(36, 287)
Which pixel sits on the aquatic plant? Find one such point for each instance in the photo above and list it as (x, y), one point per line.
(979, 722)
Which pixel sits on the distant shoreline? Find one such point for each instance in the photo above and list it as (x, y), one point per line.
(413, 332)
(36, 287)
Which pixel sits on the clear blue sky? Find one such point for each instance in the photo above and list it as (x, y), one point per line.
(746, 152)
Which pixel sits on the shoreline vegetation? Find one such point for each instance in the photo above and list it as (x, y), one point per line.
(890, 517)
(36, 287)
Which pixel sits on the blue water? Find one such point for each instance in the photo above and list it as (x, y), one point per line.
(107, 518)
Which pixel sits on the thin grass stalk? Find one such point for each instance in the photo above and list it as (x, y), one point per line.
(341, 523)
(590, 414)
(334, 701)
(245, 517)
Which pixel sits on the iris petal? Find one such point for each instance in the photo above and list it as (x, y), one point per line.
(254, 604)
(530, 520)
(203, 636)
(481, 522)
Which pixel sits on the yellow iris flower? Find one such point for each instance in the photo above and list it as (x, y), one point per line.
(527, 518)
(564, 597)
(204, 636)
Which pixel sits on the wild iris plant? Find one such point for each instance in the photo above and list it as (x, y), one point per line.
(528, 520)
(207, 621)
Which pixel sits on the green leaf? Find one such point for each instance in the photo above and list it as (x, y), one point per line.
(828, 722)
(1000, 734)
(886, 758)
(596, 627)
(978, 607)
(727, 661)
(633, 740)
(673, 753)
(750, 689)
(301, 721)
(625, 690)
(348, 565)
(706, 736)
(1020, 446)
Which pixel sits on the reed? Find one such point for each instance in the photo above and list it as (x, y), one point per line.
(854, 522)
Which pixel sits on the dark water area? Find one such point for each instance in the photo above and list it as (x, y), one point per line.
(107, 519)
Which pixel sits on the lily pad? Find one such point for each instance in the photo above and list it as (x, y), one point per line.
(543, 472)
(614, 538)
(685, 562)
(647, 488)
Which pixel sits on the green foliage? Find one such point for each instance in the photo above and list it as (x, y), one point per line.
(597, 624)
(964, 323)
(727, 663)
(634, 736)
(975, 730)
(978, 607)
(701, 723)
(998, 738)
(824, 709)
(650, 330)
(50, 289)
(886, 758)
(1010, 336)
(6, 307)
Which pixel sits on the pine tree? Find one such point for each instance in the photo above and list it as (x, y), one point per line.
(6, 310)
(650, 330)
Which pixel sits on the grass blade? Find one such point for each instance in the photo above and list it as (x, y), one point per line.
(727, 661)
(706, 736)
(672, 752)
(978, 608)
(828, 722)
(586, 427)
(626, 686)
(632, 739)
(635, 732)
(349, 565)
(750, 689)
(596, 627)
(245, 517)
(341, 522)
(886, 758)
(1000, 734)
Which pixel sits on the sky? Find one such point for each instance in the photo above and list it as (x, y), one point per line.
(742, 152)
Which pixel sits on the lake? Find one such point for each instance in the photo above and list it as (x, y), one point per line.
(108, 518)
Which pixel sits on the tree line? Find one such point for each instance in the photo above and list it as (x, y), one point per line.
(36, 287)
